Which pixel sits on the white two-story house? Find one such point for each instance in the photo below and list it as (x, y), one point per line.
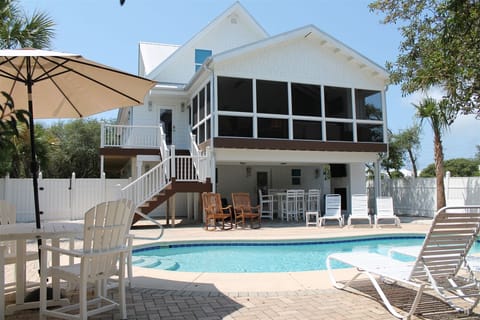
(242, 110)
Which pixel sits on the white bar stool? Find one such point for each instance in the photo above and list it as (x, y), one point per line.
(311, 218)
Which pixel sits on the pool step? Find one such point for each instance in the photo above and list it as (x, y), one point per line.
(154, 262)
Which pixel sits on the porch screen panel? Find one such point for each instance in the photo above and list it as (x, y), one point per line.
(272, 128)
(201, 105)
(306, 100)
(209, 100)
(338, 102)
(208, 133)
(338, 131)
(195, 110)
(201, 133)
(235, 126)
(272, 97)
(368, 104)
(369, 133)
(235, 94)
(307, 130)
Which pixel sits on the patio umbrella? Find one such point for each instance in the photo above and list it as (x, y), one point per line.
(63, 85)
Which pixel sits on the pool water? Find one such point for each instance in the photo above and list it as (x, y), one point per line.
(240, 257)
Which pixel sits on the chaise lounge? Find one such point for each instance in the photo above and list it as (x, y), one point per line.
(441, 264)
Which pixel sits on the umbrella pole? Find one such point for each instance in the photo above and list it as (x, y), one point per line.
(34, 163)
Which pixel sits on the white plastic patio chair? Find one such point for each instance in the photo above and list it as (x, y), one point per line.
(438, 264)
(266, 205)
(385, 211)
(333, 209)
(103, 255)
(359, 209)
(8, 215)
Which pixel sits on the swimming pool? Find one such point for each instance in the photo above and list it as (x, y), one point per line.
(262, 256)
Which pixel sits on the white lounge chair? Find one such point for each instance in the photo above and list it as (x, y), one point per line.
(385, 211)
(333, 209)
(105, 250)
(359, 209)
(438, 264)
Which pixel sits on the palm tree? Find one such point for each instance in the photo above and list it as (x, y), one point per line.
(440, 116)
(17, 30)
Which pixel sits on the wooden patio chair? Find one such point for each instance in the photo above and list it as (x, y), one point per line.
(243, 210)
(103, 255)
(214, 211)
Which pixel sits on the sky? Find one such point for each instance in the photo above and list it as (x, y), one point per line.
(109, 33)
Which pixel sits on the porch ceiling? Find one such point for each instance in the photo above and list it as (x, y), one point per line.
(289, 157)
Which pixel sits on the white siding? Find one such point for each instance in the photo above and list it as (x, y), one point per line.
(301, 60)
(224, 36)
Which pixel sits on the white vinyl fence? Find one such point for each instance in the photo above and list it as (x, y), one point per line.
(417, 196)
(60, 199)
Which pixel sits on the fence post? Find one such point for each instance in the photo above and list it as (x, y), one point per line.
(103, 187)
(447, 185)
(73, 196)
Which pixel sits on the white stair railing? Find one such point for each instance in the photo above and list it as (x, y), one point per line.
(183, 168)
(200, 160)
(149, 184)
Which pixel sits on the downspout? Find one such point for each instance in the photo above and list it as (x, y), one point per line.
(213, 123)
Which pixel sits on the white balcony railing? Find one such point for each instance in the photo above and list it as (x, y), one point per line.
(124, 136)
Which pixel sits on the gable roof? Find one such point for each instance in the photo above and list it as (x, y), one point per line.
(312, 31)
(152, 54)
(235, 9)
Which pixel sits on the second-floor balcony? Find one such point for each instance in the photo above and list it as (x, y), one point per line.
(127, 136)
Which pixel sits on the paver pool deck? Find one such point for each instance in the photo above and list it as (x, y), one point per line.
(159, 294)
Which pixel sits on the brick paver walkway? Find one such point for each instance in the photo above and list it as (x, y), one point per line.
(150, 304)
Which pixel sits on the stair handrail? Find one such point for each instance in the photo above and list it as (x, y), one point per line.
(155, 222)
(197, 157)
(149, 184)
(164, 151)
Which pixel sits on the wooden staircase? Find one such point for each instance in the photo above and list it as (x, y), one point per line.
(173, 188)
(179, 171)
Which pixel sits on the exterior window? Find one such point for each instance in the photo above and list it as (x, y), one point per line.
(235, 94)
(200, 56)
(337, 131)
(189, 108)
(338, 102)
(296, 177)
(369, 133)
(235, 126)
(273, 128)
(306, 100)
(272, 97)
(307, 130)
(368, 104)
